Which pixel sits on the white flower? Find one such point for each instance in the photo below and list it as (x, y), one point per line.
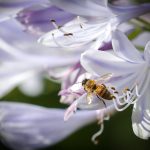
(93, 28)
(130, 69)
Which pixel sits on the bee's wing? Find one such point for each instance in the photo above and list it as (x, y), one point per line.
(104, 78)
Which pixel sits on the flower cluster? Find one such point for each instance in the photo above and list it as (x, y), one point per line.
(90, 48)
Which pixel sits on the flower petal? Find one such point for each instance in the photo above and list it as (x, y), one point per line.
(32, 86)
(81, 38)
(37, 18)
(141, 117)
(10, 78)
(141, 113)
(124, 48)
(128, 12)
(147, 52)
(85, 8)
(31, 127)
(9, 9)
(100, 62)
(142, 39)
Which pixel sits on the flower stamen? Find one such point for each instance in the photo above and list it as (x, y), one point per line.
(58, 43)
(121, 102)
(80, 23)
(101, 116)
(94, 137)
(58, 26)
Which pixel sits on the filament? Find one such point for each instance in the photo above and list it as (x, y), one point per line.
(58, 43)
(58, 27)
(80, 23)
(97, 134)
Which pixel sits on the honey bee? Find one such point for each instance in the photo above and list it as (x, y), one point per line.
(97, 88)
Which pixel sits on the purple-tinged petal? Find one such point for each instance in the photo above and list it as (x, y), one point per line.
(124, 48)
(37, 18)
(106, 46)
(100, 62)
(30, 127)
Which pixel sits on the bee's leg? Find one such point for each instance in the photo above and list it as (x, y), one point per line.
(89, 98)
(101, 100)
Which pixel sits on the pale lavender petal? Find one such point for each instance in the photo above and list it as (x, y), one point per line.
(147, 52)
(13, 33)
(127, 12)
(9, 8)
(27, 66)
(100, 62)
(5, 56)
(33, 86)
(44, 62)
(124, 48)
(141, 114)
(126, 27)
(10, 77)
(96, 104)
(15, 3)
(142, 39)
(91, 36)
(30, 127)
(123, 2)
(85, 8)
(37, 19)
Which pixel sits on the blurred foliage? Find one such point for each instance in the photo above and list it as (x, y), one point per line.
(142, 1)
(117, 134)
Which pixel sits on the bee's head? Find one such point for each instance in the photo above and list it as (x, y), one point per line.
(84, 81)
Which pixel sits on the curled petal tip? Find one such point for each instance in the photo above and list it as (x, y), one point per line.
(70, 111)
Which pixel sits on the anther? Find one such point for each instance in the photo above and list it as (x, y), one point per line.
(113, 88)
(53, 20)
(113, 97)
(81, 26)
(68, 34)
(116, 92)
(126, 89)
(57, 26)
